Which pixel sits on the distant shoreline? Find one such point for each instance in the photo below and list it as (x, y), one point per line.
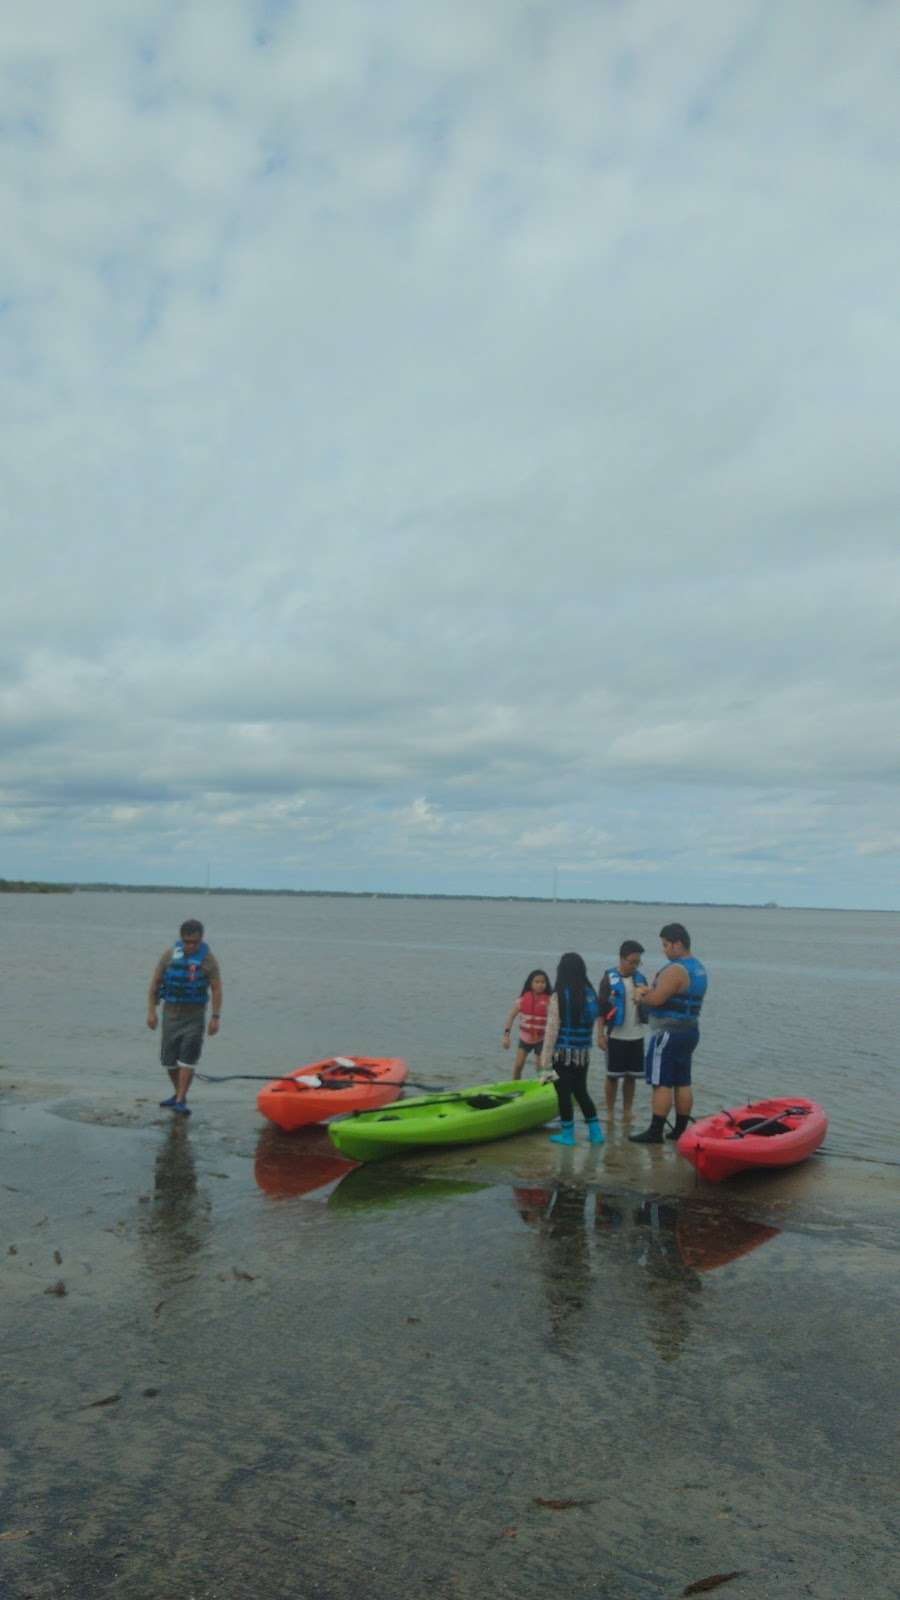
(9, 886)
(24, 886)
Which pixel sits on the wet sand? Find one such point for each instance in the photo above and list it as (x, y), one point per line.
(512, 1371)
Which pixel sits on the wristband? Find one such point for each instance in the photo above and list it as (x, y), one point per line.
(216, 1016)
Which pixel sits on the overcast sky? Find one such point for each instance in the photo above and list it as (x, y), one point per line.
(444, 446)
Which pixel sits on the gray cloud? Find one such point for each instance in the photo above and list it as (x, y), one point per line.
(438, 453)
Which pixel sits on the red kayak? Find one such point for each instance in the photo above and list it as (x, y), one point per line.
(764, 1133)
(331, 1088)
(707, 1242)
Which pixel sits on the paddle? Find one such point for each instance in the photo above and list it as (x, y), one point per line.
(441, 1098)
(297, 1083)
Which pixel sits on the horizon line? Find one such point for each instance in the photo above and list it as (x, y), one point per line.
(32, 885)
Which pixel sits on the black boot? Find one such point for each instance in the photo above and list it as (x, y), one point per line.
(680, 1125)
(651, 1135)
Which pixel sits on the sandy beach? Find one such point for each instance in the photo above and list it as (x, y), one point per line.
(232, 1364)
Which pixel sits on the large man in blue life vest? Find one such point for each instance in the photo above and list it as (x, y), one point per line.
(184, 978)
(674, 1000)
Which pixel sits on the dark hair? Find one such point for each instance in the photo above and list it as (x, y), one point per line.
(537, 973)
(571, 976)
(676, 933)
(191, 926)
(630, 947)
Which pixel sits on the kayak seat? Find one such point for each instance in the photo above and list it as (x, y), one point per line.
(763, 1127)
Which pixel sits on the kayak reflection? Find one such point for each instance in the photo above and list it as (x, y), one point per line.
(708, 1237)
(376, 1186)
(287, 1165)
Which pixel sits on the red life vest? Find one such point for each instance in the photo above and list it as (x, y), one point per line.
(533, 1010)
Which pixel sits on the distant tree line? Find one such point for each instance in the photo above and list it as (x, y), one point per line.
(9, 886)
(22, 886)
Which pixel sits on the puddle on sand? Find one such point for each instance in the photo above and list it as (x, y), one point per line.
(385, 1380)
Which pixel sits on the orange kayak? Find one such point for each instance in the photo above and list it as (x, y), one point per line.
(330, 1089)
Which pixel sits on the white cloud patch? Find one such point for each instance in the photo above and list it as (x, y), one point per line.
(420, 814)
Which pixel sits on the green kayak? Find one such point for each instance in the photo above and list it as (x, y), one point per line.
(470, 1116)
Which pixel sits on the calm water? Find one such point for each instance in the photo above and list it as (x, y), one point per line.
(803, 1002)
(230, 1365)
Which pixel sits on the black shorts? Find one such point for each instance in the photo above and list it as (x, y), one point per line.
(624, 1058)
(537, 1046)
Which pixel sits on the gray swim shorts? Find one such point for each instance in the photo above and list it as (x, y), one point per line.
(182, 1037)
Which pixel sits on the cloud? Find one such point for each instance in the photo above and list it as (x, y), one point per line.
(421, 814)
(888, 845)
(462, 443)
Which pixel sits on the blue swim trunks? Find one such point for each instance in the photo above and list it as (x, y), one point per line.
(667, 1063)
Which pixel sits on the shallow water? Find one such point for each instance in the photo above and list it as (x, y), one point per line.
(324, 1378)
(801, 1002)
(383, 1380)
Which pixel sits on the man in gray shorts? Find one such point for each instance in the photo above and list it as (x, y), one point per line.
(184, 978)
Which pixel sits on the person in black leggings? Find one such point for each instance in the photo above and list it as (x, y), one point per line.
(571, 1017)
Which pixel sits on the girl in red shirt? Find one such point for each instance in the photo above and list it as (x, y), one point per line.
(531, 1009)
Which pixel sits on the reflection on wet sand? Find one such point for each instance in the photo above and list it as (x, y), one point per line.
(177, 1223)
(670, 1241)
(565, 1263)
(706, 1237)
(669, 1282)
(709, 1238)
(373, 1185)
(287, 1165)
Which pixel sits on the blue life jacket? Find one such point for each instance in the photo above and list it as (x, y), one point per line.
(615, 1016)
(183, 982)
(576, 1035)
(684, 1007)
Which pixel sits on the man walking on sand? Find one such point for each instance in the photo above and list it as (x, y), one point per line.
(620, 1026)
(674, 1000)
(184, 977)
